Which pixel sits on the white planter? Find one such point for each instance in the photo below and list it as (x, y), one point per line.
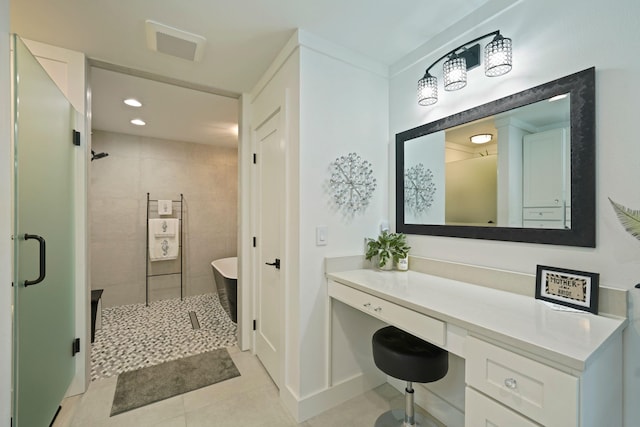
(386, 267)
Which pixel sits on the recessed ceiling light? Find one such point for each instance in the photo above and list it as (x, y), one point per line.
(138, 122)
(482, 138)
(131, 102)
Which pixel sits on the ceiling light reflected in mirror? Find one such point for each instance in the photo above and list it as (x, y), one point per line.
(482, 138)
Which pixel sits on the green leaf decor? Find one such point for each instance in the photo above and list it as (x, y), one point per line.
(629, 218)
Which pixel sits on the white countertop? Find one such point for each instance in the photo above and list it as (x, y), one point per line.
(571, 339)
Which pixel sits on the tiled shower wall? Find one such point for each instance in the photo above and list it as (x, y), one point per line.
(206, 175)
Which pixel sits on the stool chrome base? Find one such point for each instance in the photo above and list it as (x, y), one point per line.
(395, 418)
(406, 418)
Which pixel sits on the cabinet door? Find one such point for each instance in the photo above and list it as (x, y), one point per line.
(543, 168)
(480, 411)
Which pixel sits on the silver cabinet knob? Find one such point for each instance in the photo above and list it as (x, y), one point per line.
(367, 305)
(511, 383)
(377, 309)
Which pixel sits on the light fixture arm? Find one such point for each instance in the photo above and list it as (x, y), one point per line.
(494, 33)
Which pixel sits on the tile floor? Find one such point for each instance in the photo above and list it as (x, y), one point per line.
(248, 400)
(128, 341)
(135, 336)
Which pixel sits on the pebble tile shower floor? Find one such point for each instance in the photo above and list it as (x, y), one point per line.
(135, 336)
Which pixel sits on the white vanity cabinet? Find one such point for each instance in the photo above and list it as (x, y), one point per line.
(535, 390)
(525, 364)
(506, 389)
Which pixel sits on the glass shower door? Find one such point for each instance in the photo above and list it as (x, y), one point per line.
(43, 242)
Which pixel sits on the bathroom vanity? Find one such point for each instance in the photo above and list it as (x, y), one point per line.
(525, 363)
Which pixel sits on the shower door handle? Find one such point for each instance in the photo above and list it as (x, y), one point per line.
(276, 263)
(43, 259)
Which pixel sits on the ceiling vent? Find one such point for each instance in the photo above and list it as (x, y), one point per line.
(171, 41)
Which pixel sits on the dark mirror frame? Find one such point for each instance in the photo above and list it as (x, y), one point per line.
(581, 87)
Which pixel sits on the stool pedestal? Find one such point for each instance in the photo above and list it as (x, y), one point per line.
(406, 418)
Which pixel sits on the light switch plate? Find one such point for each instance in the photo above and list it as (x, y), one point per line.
(322, 235)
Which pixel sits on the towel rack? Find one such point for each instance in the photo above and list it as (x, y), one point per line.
(146, 255)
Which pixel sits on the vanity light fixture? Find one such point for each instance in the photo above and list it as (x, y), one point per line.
(132, 102)
(497, 61)
(481, 138)
(138, 122)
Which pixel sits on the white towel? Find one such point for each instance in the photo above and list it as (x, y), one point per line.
(163, 247)
(164, 207)
(161, 227)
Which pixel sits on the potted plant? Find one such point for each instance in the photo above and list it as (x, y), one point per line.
(387, 249)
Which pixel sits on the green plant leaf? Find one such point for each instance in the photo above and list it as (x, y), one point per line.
(388, 246)
(629, 218)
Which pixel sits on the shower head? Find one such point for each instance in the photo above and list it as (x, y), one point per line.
(96, 156)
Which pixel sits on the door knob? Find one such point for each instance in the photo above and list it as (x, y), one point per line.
(276, 263)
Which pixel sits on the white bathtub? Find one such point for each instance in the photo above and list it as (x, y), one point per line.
(228, 267)
(225, 276)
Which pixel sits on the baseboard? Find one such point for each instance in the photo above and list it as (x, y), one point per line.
(309, 406)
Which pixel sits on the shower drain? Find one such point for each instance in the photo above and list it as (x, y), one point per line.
(194, 320)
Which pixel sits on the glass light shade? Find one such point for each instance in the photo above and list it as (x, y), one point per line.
(482, 138)
(455, 73)
(497, 57)
(427, 90)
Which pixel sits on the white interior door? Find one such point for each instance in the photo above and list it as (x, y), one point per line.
(270, 301)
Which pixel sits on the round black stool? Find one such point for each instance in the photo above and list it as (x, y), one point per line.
(406, 357)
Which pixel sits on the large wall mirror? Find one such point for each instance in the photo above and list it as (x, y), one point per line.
(531, 180)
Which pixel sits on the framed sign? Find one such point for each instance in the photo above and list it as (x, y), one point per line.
(571, 288)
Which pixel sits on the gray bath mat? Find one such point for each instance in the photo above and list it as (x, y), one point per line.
(147, 385)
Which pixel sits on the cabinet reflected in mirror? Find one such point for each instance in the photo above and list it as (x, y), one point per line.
(532, 182)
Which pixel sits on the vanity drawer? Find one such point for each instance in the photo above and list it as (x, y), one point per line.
(418, 324)
(481, 411)
(552, 213)
(538, 391)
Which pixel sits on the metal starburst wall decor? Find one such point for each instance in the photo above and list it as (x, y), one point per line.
(419, 188)
(352, 182)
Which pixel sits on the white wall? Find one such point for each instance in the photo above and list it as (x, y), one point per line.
(5, 217)
(431, 151)
(279, 89)
(332, 107)
(552, 39)
(343, 109)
